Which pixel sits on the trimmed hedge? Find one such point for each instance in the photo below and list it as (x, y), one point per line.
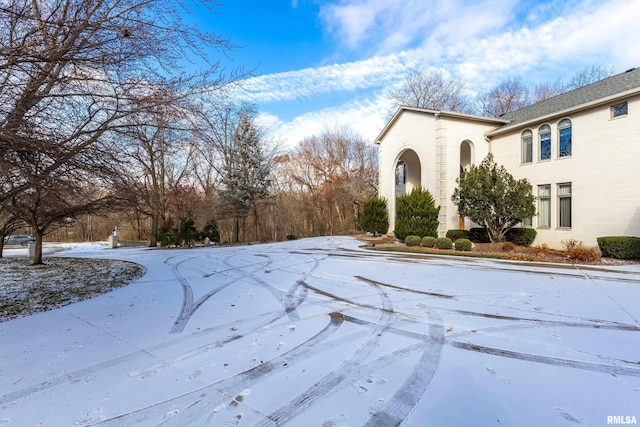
(412, 240)
(463, 245)
(521, 236)
(478, 235)
(443, 243)
(621, 247)
(428, 241)
(457, 234)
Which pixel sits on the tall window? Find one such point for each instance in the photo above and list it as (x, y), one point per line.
(401, 178)
(545, 142)
(564, 137)
(564, 205)
(527, 146)
(544, 205)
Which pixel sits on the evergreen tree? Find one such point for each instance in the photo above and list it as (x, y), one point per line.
(490, 196)
(416, 214)
(375, 217)
(246, 178)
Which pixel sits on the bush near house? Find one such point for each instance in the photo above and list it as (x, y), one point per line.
(577, 251)
(428, 241)
(621, 247)
(478, 235)
(444, 243)
(412, 240)
(462, 245)
(375, 216)
(416, 214)
(457, 234)
(521, 236)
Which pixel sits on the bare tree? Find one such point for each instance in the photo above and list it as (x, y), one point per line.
(508, 95)
(435, 90)
(72, 71)
(588, 75)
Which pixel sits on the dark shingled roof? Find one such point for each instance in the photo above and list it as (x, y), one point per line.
(583, 95)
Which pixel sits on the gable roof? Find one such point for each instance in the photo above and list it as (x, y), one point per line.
(600, 92)
(436, 113)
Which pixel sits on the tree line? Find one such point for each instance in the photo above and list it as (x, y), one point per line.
(101, 125)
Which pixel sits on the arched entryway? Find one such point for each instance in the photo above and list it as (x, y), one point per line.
(407, 173)
(466, 160)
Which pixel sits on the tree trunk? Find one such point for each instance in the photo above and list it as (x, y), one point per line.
(37, 257)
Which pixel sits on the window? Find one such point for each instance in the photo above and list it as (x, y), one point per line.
(564, 205)
(527, 146)
(401, 178)
(564, 138)
(618, 110)
(527, 222)
(544, 205)
(545, 142)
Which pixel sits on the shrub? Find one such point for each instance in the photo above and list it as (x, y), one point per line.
(463, 245)
(457, 234)
(443, 243)
(412, 240)
(291, 237)
(428, 241)
(416, 214)
(375, 216)
(478, 235)
(541, 250)
(508, 247)
(621, 247)
(576, 251)
(521, 236)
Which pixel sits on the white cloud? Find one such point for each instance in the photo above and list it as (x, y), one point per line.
(474, 42)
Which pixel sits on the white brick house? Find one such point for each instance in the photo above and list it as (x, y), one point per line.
(580, 151)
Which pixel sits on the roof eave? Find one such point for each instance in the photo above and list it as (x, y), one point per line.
(565, 112)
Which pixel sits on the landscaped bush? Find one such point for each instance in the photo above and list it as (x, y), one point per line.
(508, 247)
(541, 250)
(621, 247)
(457, 234)
(463, 245)
(428, 241)
(416, 214)
(521, 236)
(576, 251)
(412, 240)
(375, 217)
(478, 235)
(443, 243)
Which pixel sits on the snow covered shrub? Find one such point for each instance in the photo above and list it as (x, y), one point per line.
(412, 240)
(428, 241)
(462, 245)
(443, 243)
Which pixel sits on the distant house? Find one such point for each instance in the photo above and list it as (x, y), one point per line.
(579, 150)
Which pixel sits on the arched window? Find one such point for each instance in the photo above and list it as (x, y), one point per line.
(544, 134)
(527, 146)
(564, 138)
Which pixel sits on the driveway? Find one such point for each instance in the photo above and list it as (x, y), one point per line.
(320, 332)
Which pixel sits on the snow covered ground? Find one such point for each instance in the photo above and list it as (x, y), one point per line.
(319, 332)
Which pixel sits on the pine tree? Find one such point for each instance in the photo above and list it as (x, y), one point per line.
(416, 214)
(246, 178)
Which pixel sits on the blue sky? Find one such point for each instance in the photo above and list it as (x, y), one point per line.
(321, 63)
